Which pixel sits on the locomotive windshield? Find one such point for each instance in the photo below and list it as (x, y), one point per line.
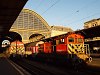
(71, 39)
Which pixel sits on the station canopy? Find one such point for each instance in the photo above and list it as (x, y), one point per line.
(9, 11)
(90, 32)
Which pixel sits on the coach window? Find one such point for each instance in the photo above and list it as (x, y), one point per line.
(71, 39)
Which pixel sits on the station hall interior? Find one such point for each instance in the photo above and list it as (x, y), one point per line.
(27, 26)
(28, 42)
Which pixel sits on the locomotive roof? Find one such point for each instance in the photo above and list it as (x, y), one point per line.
(62, 35)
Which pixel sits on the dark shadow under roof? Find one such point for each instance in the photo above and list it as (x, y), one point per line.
(90, 32)
(9, 11)
(35, 35)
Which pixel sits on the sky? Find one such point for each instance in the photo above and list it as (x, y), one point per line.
(67, 13)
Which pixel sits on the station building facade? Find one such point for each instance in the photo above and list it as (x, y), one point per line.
(58, 30)
(93, 42)
(92, 23)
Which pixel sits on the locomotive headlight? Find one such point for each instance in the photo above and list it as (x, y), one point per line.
(5, 43)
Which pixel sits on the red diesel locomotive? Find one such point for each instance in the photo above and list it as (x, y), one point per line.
(69, 46)
(16, 48)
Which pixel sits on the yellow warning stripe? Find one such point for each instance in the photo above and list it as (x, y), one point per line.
(74, 47)
(71, 49)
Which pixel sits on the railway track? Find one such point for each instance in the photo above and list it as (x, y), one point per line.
(36, 68)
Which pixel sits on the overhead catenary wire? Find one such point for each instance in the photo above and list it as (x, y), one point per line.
(50, 7)
(77, 11)
(39, 5)
(84, 18)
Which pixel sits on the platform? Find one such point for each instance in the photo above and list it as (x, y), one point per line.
(9, 68)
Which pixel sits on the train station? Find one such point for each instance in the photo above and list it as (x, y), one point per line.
(29, 45)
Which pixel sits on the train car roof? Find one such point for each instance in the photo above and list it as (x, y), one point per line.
(33, 43)
(30, 44)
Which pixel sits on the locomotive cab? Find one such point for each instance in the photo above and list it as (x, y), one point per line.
(77, 47)
(72, 45)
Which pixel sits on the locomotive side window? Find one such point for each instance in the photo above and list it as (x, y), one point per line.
(71, 39)
(62, 41)
(80, 40)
